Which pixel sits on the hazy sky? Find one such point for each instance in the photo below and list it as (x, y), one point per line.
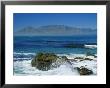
(80, 20)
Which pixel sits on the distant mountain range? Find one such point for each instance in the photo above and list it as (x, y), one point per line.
(55, 30)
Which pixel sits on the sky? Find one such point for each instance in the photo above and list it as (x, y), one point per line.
(80, 20)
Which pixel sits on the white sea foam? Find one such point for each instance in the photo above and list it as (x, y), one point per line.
(90, 46)
(20, 58)
(23, 56)
(72, 56)
(24, 53)
(24, 67)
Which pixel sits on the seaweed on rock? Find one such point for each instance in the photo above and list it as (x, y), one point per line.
(43, 61)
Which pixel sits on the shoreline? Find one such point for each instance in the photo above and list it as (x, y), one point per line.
(23, 67)
(69, 56)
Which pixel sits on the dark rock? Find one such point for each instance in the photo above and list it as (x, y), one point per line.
(47, 61)
(78, 58)
(88, 59)
(84, 71)
(60, 60)
(64, 57)
(43, 61)
(95, 56)
(81, 60)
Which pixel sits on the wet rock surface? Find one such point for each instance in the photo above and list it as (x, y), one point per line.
(43, 61)
(47, 61)
(84, 71)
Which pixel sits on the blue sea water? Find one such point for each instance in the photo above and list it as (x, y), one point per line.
(27, 46)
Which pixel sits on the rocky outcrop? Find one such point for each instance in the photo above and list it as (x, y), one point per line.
(47, 61)
(84, 71)
(43, 61)
(88, 59)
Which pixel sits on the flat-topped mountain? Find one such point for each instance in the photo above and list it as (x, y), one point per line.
(54, 30)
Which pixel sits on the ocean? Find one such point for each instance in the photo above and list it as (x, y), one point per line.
(26, 47)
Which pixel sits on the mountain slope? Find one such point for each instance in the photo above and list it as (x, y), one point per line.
(54, 30)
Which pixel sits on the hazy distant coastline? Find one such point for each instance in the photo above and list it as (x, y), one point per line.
(54, 30)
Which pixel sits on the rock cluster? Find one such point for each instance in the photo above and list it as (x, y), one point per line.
(43, 61)
(84, 71)
(47, 61)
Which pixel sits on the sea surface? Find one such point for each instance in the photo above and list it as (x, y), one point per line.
(26, 47)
